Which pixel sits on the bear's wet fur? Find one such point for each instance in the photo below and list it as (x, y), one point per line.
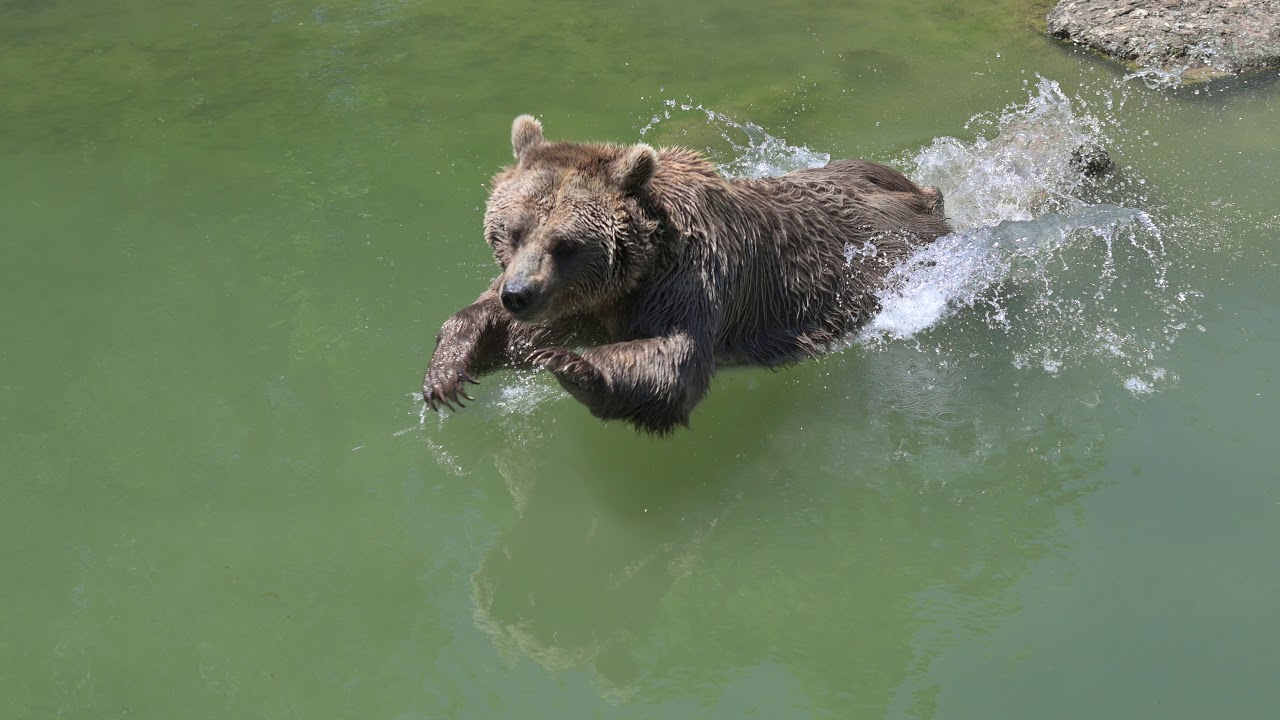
(661, 271)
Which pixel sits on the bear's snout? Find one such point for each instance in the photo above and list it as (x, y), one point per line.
(517, 296)
(525, 298)
(525, 292)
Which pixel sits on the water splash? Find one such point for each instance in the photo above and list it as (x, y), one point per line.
(1202, 61)
(753, 152)
(1157, 78)
(960, 269)
(1036, 256)
(1068, 280)
(1026, 168)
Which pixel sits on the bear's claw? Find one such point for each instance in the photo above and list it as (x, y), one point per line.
(552, 358)
(447, 393)
(567, 366)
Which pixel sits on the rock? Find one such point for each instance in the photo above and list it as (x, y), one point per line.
(1190, 39)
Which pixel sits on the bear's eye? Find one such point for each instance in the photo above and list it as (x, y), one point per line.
(564, 249)
(516, 236)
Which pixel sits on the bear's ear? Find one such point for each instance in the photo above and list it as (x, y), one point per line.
(526, 132)
(636, 167)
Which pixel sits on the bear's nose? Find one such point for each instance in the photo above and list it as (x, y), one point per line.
(516, 296)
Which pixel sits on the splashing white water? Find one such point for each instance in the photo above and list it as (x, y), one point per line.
(1068, 280)
(1038, 259)
(1202, 60)
(754, 153)
(959, 269)
(1024, 170)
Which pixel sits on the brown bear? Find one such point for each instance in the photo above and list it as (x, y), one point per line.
(662, 271)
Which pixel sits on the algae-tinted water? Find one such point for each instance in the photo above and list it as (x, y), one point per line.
(1044, 485)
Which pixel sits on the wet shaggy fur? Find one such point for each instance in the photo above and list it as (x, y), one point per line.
(661, 271)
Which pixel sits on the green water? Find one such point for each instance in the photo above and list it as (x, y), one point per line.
(232, 229)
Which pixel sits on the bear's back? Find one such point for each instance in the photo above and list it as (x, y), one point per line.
(807, 274)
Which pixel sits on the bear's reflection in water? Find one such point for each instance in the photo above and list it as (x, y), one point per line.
(578, 579)
(820, 537)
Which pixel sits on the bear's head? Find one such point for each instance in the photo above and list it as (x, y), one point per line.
(567, 223)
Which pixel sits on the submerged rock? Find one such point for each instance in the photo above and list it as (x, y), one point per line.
(1190, 39)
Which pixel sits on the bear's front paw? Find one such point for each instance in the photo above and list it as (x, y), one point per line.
(445, 386)
(571, 369)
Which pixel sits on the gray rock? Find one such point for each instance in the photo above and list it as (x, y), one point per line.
(1191, 39)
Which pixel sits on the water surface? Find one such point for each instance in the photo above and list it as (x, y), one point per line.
(1042, 484)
